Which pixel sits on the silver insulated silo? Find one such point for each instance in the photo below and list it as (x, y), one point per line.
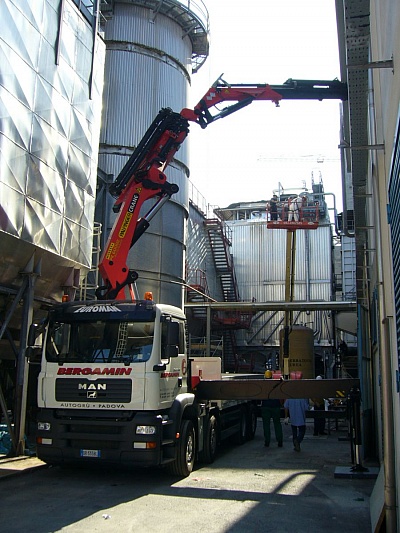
(152, 49)
(51, 80)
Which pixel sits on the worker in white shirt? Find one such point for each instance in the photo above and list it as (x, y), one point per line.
(295, 204)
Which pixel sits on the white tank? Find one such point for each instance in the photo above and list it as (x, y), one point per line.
(148, 67)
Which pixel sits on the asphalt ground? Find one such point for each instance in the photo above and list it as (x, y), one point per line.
(249, 488)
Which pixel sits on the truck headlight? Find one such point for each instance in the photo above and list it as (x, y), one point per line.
(145, 430)
(44, 426)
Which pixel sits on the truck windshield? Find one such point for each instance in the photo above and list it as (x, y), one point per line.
(99, 342)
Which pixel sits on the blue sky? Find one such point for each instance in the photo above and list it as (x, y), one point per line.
(244, 156)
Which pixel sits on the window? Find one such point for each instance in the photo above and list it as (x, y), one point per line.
(100, 342)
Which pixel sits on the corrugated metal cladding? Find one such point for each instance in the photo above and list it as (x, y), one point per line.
(137, 25)
(49, 132)
(162, 257)
(394, 202)
(147, 69)
(132, 101)
(259, 256)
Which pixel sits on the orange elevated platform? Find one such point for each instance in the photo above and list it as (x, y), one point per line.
(292, 225)
(307, 216)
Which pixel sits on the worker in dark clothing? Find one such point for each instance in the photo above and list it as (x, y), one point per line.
(273, 207)
(271, 408)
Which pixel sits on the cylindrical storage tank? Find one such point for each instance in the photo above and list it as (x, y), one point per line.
(148, 67)
(301, 350)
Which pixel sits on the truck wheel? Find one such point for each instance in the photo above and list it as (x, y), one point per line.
(251, 422)
(186, 449)
(241, 436)
(210, 441)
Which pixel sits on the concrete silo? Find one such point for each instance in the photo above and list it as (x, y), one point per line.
(152, 49)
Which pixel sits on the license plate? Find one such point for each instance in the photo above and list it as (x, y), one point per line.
(90, 453)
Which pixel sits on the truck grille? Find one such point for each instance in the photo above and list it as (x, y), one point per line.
(100, 391)
(105, 444)
(93, 429)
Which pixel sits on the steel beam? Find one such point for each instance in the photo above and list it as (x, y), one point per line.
(276, 306)
(259, 388)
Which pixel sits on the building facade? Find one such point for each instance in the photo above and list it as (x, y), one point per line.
(369, 42)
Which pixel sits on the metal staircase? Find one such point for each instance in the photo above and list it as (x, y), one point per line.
(230, 356)
(220, 242)
(218, 237)
(197, 291)
(224, 322)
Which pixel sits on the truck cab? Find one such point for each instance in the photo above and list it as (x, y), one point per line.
(104, 361)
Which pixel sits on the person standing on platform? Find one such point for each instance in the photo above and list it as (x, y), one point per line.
(273, 207)
(295, 206)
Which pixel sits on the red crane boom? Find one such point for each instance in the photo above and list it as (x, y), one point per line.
(143, 176)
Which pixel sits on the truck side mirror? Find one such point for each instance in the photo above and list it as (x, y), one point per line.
(172, 333)
(172, 340)
(32, 334)
(32, 349)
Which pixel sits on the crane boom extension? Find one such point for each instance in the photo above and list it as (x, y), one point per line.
(143, 177)
(244, 94)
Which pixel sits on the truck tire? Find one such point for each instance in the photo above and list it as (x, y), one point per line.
(251, 422)
(241, 436)
(186, 451)
(210, 441)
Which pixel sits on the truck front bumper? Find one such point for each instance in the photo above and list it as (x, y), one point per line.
(95, 436)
